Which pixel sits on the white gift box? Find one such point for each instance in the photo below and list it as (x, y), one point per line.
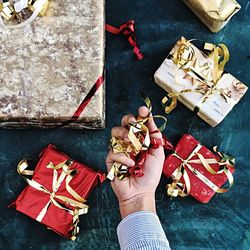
(174, 79)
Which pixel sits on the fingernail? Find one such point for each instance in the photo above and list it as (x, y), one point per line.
(131, 162)
(132, 119)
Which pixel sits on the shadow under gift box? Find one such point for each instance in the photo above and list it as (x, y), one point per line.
(172, 78)
(32, 201)
(49, 66)
(199, 189)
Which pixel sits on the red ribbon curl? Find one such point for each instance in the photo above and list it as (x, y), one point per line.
(127, 29)
(137, 170)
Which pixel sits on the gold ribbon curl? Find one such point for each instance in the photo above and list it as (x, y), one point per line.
(139, 142)
(66, 175)
(205, 76)
(178, 188)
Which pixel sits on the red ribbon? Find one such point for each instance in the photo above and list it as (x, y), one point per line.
(85, 101)
(88, 97)
(137, 170)
(127, 29)
(157, 142)
(139, 163)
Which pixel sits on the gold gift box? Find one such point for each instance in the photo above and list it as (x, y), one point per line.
(215, 14)
(49, 66)
(175, 79)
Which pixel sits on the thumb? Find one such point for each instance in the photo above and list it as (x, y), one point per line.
(153, 130)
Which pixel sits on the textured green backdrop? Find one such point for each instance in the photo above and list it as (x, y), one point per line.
(221, 224)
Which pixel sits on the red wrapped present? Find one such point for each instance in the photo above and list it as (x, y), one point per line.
(57, 193)
(197, 171)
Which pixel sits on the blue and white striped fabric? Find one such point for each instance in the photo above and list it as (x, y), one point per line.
(142, 230)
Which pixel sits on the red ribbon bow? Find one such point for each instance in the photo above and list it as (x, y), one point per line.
(127, 29)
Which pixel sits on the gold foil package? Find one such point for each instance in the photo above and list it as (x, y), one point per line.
(215, 14)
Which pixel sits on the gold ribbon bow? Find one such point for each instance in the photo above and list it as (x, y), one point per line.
(205, 77)
(183, 189)
(15, 11)
(66, 175)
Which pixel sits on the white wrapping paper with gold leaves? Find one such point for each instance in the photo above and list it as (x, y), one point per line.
(174, 79)
(215, 14)
(49, 66)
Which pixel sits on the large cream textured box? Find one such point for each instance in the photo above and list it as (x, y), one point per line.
(215, 14)
(49, 66)
(193, 80)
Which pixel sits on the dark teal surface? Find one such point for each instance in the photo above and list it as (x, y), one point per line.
(221, 224)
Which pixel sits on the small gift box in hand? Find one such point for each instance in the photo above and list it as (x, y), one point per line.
(197, 171)
(198, 80)
(56, 195)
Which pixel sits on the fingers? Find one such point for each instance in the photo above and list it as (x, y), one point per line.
(120, 132)
(155, 133)
(127, 119)
(121, 158)
(144, 112)
(153, 129)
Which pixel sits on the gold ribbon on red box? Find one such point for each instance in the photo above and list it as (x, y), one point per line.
(66, 175)
(179, 188)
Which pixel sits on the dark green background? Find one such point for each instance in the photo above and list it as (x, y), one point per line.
(221, 224)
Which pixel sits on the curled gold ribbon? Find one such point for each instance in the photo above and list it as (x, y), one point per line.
(205, 77)
(177, 188)
(66, 175)
(139, 142)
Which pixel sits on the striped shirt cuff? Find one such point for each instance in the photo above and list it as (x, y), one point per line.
(141, 230)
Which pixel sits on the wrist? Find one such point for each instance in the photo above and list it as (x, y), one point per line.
(139, 202)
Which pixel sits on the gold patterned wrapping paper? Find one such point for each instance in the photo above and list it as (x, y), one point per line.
(194, 86)
(215, 14)
(49, 66)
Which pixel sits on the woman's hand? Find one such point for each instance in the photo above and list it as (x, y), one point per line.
(137, 193)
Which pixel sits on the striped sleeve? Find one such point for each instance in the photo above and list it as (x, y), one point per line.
(142, 230)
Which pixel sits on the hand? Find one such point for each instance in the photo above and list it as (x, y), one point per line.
(137, 193)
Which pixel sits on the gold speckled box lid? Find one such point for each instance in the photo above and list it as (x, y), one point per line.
(49, 66)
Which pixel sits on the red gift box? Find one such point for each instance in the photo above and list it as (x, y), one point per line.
(57, 192)
(197, 171)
